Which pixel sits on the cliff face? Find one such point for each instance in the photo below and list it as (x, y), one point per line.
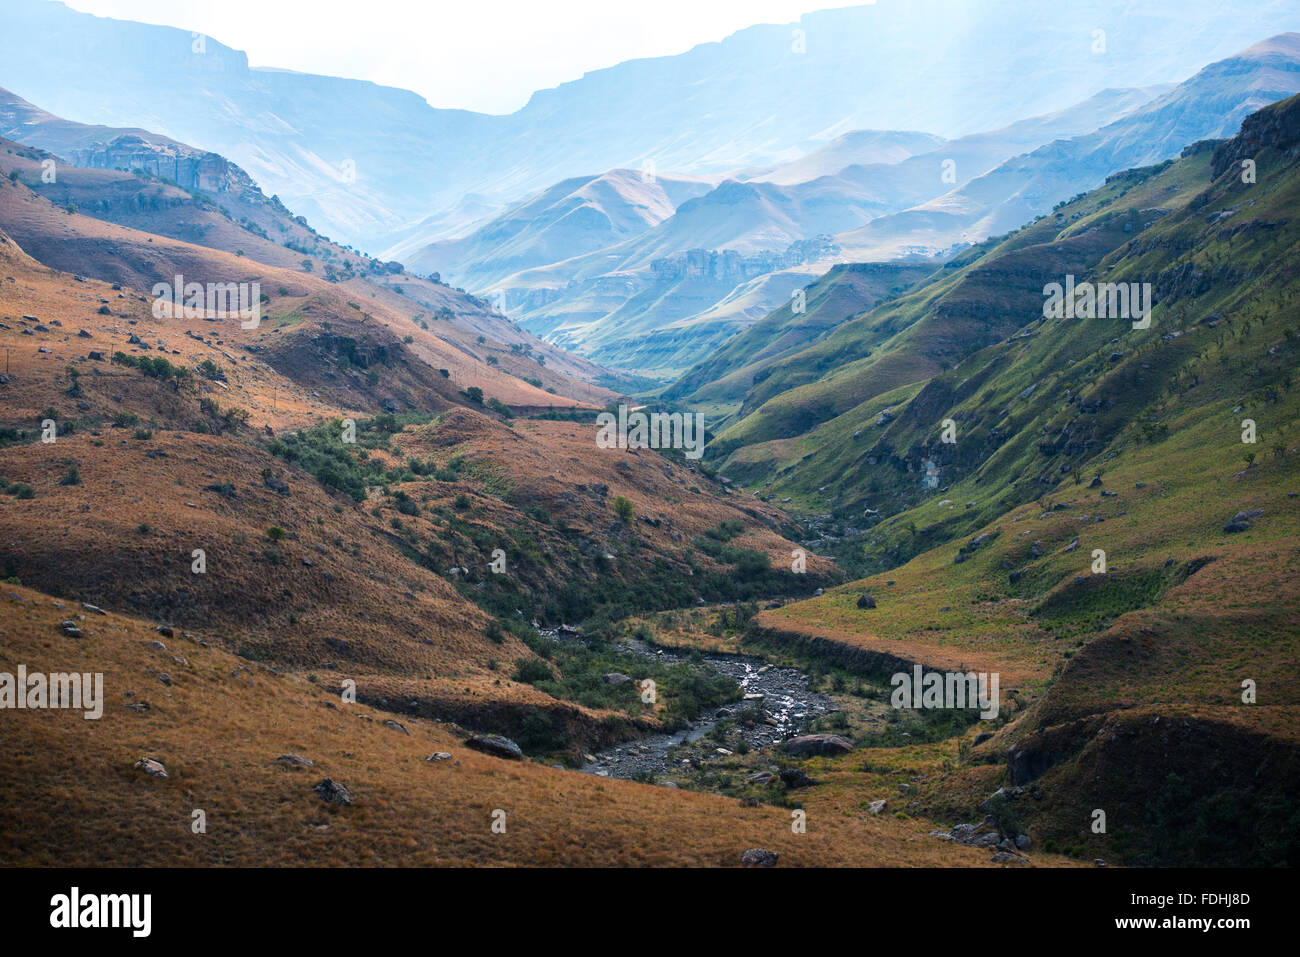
(208, 172)
(1277, 128)
(727, 264)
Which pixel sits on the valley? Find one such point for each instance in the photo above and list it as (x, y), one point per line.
(726, 460)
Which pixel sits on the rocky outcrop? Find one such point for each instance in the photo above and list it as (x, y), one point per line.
(1276, 128)
(188, 169)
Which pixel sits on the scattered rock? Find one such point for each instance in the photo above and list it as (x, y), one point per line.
(438, 756)
(151, 767)
(70, 629)
(332, 792)
(795, 778)
(396, 726)
(1243, 521)
(295, 761)
(875, 807)
(1006, 857)
(758, 857)
(616, 679)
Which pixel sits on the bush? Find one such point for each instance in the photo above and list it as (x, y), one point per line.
(530, 671)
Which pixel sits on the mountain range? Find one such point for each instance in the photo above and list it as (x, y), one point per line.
(364, 161)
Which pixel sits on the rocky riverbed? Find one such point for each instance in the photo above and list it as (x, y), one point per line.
(781, 695)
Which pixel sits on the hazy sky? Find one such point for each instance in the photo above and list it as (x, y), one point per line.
(486, 55)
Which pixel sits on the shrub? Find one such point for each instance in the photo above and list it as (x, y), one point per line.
(529, 671)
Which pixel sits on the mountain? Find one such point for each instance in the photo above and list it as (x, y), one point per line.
(569, 219)
(1102, 511)
(365, 161)
(858, 148)
(721, 381)
(722, 260)
(137, 179)
(1211, 104)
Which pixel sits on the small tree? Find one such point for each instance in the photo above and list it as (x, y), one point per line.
(623, 509)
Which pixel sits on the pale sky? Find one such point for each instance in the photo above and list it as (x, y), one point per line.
(485, 55)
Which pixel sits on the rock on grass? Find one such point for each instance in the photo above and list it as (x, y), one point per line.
(496, 745)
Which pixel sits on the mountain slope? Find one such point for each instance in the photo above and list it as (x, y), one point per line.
(1102, 531)
(140, 180)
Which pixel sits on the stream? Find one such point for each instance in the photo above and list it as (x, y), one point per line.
(788, 707)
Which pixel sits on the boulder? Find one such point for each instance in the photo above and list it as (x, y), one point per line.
(332, 792)
(758, 857)
(1242, 521)
(1006, 857)
(438, 756)
(496, 745)
(616, 679)
(294, 761)
(151, 767)
(819, 744)
(866, 601)
(794, 778)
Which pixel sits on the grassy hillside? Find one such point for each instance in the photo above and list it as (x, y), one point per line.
(324, 554)
(1099, 533)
